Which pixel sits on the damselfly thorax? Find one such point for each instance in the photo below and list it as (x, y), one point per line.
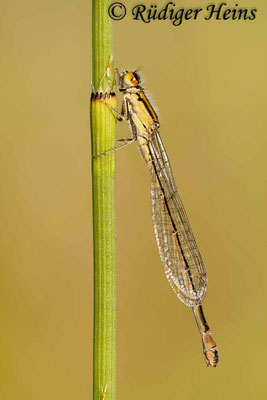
(142, 117)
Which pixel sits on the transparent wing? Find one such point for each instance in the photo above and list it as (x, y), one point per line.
(178, 250)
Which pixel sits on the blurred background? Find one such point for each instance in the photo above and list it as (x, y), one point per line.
(208, 81)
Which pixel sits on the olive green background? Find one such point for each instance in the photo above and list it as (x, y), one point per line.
(208, 81)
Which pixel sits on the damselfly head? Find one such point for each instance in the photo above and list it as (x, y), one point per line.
(129, 79)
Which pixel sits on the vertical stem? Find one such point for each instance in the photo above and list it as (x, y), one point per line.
(102, 41)
(103, 127)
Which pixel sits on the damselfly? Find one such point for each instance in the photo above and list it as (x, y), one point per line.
(177, 247)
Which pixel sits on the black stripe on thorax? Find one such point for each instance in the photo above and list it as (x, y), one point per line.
(147, 105)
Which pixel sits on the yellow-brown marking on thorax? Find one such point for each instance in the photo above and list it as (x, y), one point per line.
(143, 109)
(143, 116)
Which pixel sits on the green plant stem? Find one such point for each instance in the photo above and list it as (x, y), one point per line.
(102, 42)
(103, 127)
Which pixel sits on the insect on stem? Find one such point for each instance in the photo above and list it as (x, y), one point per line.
(181, 259)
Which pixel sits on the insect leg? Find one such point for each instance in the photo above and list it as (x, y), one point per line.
(123, 116)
